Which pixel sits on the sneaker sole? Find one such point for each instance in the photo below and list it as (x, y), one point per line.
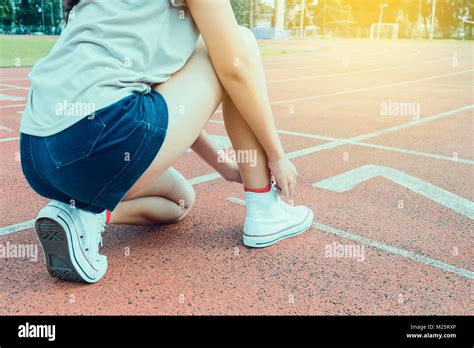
(59, 252)
(264, 241)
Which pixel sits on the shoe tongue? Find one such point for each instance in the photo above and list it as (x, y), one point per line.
(103, 217)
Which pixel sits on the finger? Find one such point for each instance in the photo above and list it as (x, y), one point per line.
(290, 188)
(277, 185)
(293, 188)
(285, 189)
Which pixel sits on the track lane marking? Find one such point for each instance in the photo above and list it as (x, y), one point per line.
(338, 143)
(8, 139)
(11, 106)
(328, 62)
(356, 72)
(367, 89)
(331, 62)
(463, 272)
(348, 180)
(13, 86)
(14, 78)
(358, 90)
(374, 146)
(9, 130)
(7, 97)
(325, 95)
(17, 227)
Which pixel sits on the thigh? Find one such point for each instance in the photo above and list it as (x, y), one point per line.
(192, 96)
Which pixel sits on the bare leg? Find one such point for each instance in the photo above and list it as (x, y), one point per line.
(168, 199)
(192, 95)
(242, 136)
(255, 175)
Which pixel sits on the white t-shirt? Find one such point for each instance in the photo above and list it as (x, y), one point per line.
(108, 50)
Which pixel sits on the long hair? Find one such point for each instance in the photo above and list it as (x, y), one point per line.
(67, 7)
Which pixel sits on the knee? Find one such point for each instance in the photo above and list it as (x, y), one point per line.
(188, 197)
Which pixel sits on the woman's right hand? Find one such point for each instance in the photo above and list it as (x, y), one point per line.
(285, 175)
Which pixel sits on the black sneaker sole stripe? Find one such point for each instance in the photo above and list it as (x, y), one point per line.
(286, 236)
(55, 243)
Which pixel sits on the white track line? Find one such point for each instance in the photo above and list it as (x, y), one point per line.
(358, 138)
(313, 149)
(357, 90)
(29, 224)
(9, 130)
(312, 77)
(374, 146)
(331, 62)
(8, 97)
(11, 106)
(366, 89)
(14, 79)
(295, 57)
(203, 178)
(463, 272)
(13, 86)
(9, 139)
(325, 95)
(17, 227)
(8, 89)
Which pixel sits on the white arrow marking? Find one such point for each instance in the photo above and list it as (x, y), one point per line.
(348, 180)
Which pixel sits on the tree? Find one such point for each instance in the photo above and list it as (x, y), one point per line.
(450, 13)
(334, 13)
(27, 14)
(6, 12)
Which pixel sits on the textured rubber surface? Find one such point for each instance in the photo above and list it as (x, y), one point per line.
(55, 243)
(199, 265)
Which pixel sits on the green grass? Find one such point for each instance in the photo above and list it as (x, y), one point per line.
(273, 51)
(23, 51)
(27, 50)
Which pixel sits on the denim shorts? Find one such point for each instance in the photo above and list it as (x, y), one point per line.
(96, 161)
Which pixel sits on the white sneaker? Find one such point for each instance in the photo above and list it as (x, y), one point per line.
(70, 238)
(270, 220)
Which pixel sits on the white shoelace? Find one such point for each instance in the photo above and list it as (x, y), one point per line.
(101, 230)
(98, 241)
(286, 207)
